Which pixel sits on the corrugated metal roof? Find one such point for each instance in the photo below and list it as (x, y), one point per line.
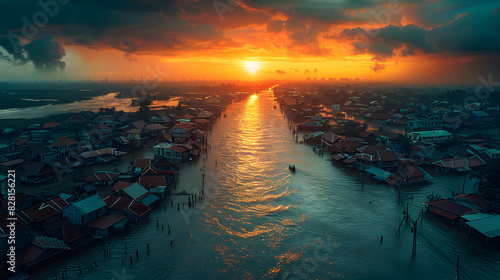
(475, 217)
(135, 190)
(90, 204)
(150, 199)
(65, 196)
(50, 242)
(378, 173)
(490, 227)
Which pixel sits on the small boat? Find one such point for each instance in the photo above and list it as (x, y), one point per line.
(291, 167)
(225, 115)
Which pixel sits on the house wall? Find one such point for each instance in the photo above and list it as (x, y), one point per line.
(78, 218)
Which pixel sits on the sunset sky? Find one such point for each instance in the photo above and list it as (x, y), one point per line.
(443, 42)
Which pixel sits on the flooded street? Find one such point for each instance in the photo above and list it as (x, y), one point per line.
(258, 220)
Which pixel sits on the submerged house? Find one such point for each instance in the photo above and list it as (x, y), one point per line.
(90, 215)
(313, 139)
(431, 136)
(102, 178)
(449, 210)
(407, 174)
(65, 145)
(104, 155)
(137, 192)
(42, 250)
(134, 210)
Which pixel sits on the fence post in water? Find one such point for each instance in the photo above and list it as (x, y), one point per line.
(148, 248)
(414, 230)
(130, 260)
(137, 253)
(458, 267)
(125, 248)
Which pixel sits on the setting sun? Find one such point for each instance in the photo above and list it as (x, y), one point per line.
(252, 66)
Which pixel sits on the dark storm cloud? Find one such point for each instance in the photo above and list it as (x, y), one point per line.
(12, 47)
(275, 26)
(377, 68)
(468, 33)
(46, 54)
(172, 27)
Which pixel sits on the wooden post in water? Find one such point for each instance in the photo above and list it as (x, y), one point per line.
(458, 267)
(414, 230)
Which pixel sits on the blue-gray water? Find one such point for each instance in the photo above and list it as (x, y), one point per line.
(260, 221)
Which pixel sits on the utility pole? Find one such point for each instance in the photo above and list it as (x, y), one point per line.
(413, 227)
(414, 230)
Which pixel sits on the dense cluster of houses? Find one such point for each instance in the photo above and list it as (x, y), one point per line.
(45, 152)
(123, 190)
(395, 139)
(471, 212)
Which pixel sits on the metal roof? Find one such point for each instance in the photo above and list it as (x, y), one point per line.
(90, 204)
(135, 190)
(475, 217)
(433, 133)
(490, 227)
(150, 199)
(378, 173)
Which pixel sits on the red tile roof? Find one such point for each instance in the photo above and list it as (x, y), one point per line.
(64, 142)
(142, 162)
(120, 185)
(149, 169)
(101, 176)
(63, 230)
(117, 203)
(184, 126)
(371, 149)
(57, 203)
(51, 125)
(478, 201)
(152, 181)
(105, 221)
(388, 155)
(139, 208)
(450, 207)
(37, 213)
(76, 118)
(178, 149)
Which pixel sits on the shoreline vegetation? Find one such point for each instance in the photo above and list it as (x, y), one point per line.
(22, 95)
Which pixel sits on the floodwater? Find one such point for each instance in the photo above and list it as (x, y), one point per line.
(260, 221)
(106, 101)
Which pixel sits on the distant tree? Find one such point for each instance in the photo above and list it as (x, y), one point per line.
(144, 109)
